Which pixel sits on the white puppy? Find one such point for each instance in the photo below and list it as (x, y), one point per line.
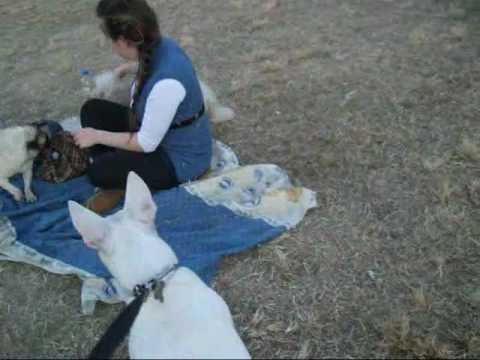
(106, 84)
(193, 321)
(20, 146)
(216, 111)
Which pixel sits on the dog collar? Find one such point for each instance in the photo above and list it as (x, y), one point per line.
(157, 284)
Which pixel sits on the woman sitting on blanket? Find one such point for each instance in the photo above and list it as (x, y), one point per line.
(164, 136)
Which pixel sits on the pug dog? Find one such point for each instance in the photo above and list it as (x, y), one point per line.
(19, 147)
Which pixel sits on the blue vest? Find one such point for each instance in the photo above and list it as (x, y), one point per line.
(189, 147)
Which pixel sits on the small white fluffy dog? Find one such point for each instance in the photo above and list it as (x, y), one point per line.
(193, 321)
(217, 112)
(107, 83)
(20, 146)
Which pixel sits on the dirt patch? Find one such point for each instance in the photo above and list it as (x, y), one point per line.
(372, 103)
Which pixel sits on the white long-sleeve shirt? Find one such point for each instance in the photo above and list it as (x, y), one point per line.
(160, 109)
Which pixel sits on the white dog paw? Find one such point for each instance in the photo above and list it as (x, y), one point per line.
(30, 196)
(17, 195)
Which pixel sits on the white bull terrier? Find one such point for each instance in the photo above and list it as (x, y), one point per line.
(190, 320)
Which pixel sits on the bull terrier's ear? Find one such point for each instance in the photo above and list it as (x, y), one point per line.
(92, 227)
(138, 200)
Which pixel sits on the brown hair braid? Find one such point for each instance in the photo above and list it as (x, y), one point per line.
(143, 72)
(137, 23)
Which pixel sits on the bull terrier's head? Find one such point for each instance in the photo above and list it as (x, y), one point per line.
(127, 241)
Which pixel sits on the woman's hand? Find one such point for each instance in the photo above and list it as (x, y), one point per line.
(87, 137)
(125, 68)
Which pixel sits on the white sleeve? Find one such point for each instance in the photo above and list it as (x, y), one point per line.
(160, 109)
(132, 91)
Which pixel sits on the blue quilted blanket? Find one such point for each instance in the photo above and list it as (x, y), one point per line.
(232, 209)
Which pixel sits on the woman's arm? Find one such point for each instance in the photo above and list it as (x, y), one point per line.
(87, 137)
(160, 109)
(125, 141)
(126, 68)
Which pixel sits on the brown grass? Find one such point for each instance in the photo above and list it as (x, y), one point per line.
(372, 103)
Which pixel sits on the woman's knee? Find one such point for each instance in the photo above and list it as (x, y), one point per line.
(88, 112)
(104, 174)
(94, 176)
(99, 177)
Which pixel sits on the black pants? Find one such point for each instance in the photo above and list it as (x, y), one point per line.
(111, 166)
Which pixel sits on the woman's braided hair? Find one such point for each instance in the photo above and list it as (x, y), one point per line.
(137, 23)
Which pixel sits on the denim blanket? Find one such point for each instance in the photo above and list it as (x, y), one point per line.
(229, 210)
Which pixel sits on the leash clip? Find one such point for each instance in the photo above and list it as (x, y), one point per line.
(139, 290)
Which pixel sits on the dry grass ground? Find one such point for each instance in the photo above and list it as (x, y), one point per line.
(372, 103)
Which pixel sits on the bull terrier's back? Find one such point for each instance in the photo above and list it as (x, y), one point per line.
(189, 307)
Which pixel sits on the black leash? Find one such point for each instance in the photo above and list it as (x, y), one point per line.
(120, 327)
(117, 331)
